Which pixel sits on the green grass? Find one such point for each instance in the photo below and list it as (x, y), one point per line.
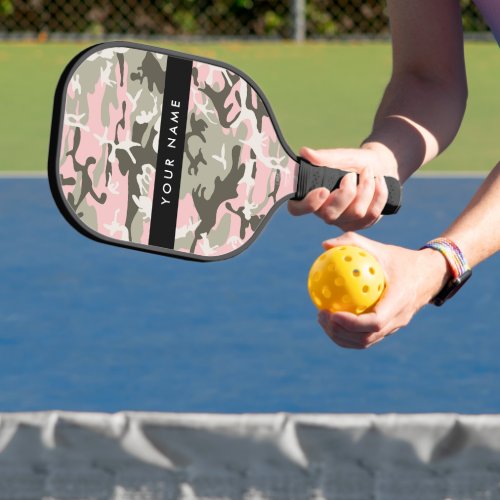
(323, 94)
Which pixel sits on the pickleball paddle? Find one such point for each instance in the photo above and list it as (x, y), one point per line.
(170, 153)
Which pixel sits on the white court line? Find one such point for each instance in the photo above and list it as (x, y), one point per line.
(22, 175)
(455, 174)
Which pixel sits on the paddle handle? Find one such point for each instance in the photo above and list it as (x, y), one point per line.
(312, 177)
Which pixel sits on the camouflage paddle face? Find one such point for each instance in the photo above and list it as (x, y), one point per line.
(169, 153)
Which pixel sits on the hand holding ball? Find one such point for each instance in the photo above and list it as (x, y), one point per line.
(346, 278)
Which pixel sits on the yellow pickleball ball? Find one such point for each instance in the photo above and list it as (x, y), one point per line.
(346, 278)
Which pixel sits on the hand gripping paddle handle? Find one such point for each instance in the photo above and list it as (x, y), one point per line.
(312, 177)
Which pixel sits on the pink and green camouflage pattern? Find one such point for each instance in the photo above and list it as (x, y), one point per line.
(234, 167)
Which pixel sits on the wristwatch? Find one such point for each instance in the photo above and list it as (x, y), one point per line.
(460, 270)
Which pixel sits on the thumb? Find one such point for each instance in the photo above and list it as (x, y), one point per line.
(377, 249)
(311, 155)
(349, 238)
(339, 158)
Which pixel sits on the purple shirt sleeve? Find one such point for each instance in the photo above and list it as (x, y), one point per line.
(490, 9)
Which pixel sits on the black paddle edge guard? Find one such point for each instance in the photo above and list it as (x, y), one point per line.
(57, 123)
(312, 177)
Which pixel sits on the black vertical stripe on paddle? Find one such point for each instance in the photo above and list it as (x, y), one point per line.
(170, 152)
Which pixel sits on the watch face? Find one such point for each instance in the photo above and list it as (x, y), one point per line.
(451, 288)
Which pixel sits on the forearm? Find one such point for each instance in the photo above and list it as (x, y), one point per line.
(416, 120)
(424, 103)
(477, 230)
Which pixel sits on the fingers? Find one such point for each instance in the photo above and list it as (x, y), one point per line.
(352, 238)
(354, 204)
(351, 206)
(406, 292)
(310, 204)
(364, 195)
(380, 196)
(337, 201)
(365, 208)
(368, 323)
(355, 332)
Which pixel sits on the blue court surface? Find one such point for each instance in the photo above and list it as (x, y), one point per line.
(90, 327)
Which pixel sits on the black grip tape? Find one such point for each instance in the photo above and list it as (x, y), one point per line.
(312, 177)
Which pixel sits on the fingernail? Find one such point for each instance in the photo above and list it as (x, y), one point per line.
(324, 194)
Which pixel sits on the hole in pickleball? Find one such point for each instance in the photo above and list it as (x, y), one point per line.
(330, 268)
(327, 293)
(346, 299)
(339, 281)
(317, 276)
(356, 273)
(366, 289)
(379, 288)
(372, 270)
(362, 254)
(348, 258)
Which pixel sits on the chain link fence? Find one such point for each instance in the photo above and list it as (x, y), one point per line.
(285, 19)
